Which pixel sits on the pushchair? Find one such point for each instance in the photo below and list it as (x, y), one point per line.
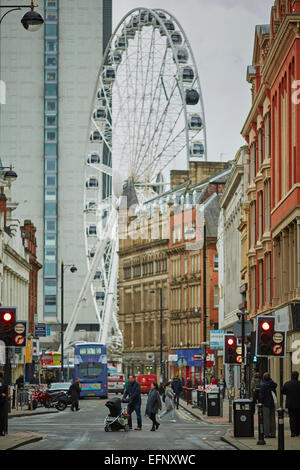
(116, 420)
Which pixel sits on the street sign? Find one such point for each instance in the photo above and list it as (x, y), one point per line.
(20, 328)
(237, 328)
(20, 340)
(278, 338)
(216, 340)
(277, 349)
(40, 330)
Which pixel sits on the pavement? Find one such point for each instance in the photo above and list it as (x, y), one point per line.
(244, 443)
(13, 440)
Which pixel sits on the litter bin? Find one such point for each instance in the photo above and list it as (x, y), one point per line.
(213, 403)
(243, 417)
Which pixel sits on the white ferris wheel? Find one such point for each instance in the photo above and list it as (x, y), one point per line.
(147, 117)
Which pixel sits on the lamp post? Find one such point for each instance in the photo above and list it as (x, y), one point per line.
(73, 269)
(161, 341)
(32, 20)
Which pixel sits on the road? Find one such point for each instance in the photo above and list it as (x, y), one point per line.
(84, 430)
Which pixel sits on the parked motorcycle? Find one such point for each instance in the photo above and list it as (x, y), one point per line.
(58, 400)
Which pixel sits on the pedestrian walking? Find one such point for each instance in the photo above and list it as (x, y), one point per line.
(255, 385)
(133, 391)
(3, 404)
(267, 396)
(34, 380)
(292, 391)
(153, 405)
(177, 388)
(169, 403)
(74, 391)
(20, 390)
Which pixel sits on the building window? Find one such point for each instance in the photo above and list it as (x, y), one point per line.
(50, 240)
(253, 224)
(127, 272)
(51, 121)
(216, 262)
(216, 296)
(137, 270)
(51, 45)
(51, 105)
(261, 282)
(260, 147)
(50, 208)
(50, 164)
(267, 135)
(260, 214)
(51, 60)
(50, 225)
(253, 288)
(50, 180)
(50, 269)
(252, 161)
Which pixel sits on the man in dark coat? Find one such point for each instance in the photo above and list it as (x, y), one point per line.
(177, 388)
(74, 391)
(133, 390)
(3, 405)
(266, 398)
(292, 391)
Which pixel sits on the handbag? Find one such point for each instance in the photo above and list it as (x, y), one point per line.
(274, 398)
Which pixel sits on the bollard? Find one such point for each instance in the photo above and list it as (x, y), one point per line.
(280, 412)
(230, 408)
(261, 438)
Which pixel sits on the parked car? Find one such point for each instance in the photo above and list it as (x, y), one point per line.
(145, 381)
(116, 383)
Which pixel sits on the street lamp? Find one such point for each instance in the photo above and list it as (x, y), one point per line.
(73, 270)
(9, 175)
(160, 348)
(32, 20)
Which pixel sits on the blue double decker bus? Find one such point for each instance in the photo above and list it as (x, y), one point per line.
(90, 365)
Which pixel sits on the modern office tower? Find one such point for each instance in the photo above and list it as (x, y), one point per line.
(50, 77)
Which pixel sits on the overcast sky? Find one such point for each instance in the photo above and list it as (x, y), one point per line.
(221, 33)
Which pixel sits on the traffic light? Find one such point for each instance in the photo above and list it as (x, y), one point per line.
(7, 324)
(269, 342)
(232, 352)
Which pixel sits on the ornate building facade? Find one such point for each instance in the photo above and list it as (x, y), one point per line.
(272, 133)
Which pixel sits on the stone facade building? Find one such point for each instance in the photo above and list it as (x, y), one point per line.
(157, 252)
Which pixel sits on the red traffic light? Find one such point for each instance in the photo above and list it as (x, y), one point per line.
(266, 326)
(230, 341)
(7, 317)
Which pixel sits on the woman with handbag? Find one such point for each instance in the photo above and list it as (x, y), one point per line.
(267, 396)
(169, 402)
(153, 405)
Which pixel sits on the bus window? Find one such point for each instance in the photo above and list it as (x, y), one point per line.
(90, 351)
(98, 351)
(90, 369)
(82, 351)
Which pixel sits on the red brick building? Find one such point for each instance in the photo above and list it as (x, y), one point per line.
(29, 241)
(272, 130)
